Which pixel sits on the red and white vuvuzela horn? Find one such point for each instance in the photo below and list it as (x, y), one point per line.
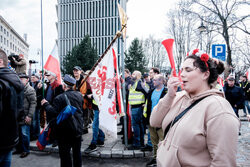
(168, 44)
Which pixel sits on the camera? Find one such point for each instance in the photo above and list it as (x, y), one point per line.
(10, 57)
(33, 61)
(12, 63)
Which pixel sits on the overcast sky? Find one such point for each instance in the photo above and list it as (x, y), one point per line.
(145, 17)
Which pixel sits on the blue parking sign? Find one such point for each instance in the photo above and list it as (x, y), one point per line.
(219, 51)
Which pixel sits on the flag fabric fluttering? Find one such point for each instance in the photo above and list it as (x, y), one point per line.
(118, 84)
(123, 20)
(102, 82)
(220, 81)
(168, 44)
(53, 64)
(248, 74)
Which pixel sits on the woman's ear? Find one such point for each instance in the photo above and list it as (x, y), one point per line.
(206, 75)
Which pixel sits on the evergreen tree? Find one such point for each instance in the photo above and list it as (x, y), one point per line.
(83, 55)
(135, 58)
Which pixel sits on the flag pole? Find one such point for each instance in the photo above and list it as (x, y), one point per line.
(42, 45)
(118, 34)
(124, 95)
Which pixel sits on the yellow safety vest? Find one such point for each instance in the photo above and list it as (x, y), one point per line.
(135, 97)
(94, 102)
(145, 109)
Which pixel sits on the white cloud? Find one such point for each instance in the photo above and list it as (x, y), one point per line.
(147, 17)
(25, 17)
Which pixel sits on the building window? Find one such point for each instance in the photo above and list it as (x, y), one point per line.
(82, 12)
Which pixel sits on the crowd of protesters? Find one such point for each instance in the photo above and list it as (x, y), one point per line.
(153, 100)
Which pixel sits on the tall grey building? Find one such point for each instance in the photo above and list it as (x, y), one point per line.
(97, 18)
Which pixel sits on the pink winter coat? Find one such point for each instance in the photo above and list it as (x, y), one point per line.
(205, 136)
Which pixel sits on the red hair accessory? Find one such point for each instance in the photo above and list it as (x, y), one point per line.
(195, 51)
(205, 58)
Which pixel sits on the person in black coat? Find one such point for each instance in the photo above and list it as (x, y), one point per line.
(11, 107)
(245, 85)
(67, 140)
(234, 94)
(53, 89)
(35, 126)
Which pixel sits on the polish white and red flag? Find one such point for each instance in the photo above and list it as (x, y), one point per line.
(104, 85)
(248, 74)
(53, 64)
(220, 81)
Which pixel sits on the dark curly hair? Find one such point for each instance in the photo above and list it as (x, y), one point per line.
(214, 69)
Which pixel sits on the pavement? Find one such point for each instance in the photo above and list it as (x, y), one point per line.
(113, 148)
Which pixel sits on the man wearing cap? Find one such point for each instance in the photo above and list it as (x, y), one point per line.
(85, 90)
(234, 94)
(53, 89)
(67, 140)
(29, 104)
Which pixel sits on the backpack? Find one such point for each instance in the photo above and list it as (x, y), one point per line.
(72, 125)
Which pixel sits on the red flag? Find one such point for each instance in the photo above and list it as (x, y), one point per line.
(248, 74)
(168, 44)
(220, 81)
(118, 86)
(130, 133)
(52, 64)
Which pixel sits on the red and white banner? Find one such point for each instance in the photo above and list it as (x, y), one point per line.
(220, 81)
(118, 84)
(53, 64)
(102, 82)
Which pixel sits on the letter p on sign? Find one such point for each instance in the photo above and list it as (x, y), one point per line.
(219, 51)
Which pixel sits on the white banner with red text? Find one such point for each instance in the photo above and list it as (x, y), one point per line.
(103, 85)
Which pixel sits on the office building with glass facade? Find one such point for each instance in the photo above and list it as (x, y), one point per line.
(97, 18)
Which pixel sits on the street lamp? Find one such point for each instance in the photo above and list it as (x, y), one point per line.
(202, 29)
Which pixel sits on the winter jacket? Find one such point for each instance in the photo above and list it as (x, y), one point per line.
(56, 88)
(235, 96)
(85, 90)
(246, 88)
(11, 104)
(206, 135)
(29, 102)
(39, 94)
(20, 66)
(59, 104)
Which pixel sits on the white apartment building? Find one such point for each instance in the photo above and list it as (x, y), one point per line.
(10, 41)
(97, 18)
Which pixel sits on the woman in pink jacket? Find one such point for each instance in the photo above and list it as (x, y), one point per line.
(207, 134)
